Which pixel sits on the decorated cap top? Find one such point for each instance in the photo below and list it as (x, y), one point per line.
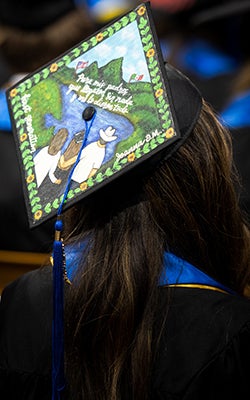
(117, 79)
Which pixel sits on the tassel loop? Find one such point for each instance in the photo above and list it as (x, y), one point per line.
(58, 228)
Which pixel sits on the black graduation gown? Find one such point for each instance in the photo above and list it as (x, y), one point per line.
(204, 351)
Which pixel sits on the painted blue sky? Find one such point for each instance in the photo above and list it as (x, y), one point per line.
(125, 43)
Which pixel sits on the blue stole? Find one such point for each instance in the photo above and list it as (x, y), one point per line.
(176, 272)
(180, 273)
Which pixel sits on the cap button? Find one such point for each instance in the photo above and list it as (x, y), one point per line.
(88, 113)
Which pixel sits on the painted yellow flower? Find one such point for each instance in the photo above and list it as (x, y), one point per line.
(150, 53)
(53, 67)
(141, 10)
(13, 92)
(30, 178)
(23, 137)
(99, 37)
(131, 157)
(169, 133)
(83, 186)
(38, 214)
(158, 92)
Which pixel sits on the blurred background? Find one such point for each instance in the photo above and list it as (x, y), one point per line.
(205, 39)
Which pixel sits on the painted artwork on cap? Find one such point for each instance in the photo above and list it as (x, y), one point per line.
(118, 72)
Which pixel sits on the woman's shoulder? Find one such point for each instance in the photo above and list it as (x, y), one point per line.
(25, 318)
(210, 302)
(204, 314)
(203, 328)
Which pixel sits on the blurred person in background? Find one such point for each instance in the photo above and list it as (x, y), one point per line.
(236, 117)
(205, 39)
(208, 41)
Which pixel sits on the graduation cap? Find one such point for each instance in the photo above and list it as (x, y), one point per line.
(104, 108)
(118, 74)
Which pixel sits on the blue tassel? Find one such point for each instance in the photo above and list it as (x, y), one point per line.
(58, 379)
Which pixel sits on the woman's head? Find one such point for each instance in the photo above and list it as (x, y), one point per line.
(184, 203)
(187, 202)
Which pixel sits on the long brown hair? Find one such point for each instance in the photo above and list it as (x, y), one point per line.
(187, 205)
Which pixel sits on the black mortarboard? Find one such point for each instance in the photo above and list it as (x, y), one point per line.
(119, 72)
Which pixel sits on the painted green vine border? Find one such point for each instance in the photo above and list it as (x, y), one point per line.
(162, 105)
